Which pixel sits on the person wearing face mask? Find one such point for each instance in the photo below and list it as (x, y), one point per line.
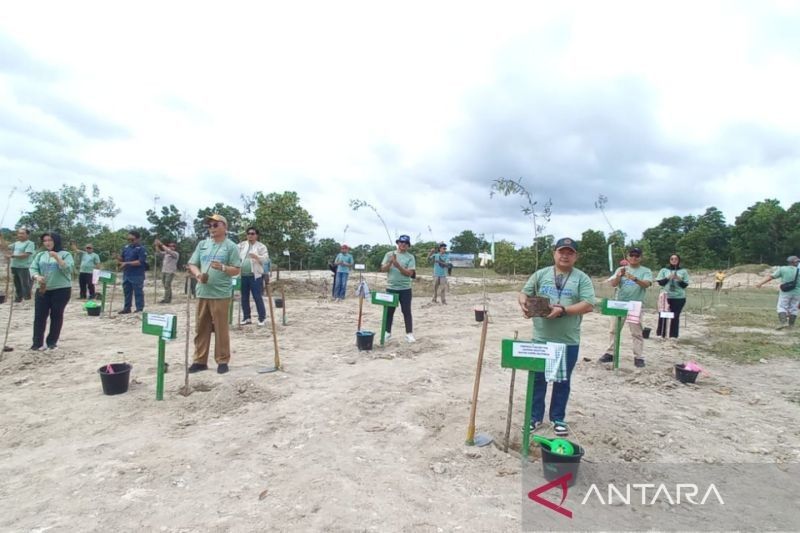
(400, 266)
(632, 282)
(673, 280)
(52, 271)
(133, 262)
(571, 295)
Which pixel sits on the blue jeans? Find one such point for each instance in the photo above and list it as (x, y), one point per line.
(340, 285)
(559, 395)
(133, 286)
(254, 286)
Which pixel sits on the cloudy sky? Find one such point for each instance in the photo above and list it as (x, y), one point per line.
(415, 107)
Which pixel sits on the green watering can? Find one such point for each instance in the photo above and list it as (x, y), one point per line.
(557, 446)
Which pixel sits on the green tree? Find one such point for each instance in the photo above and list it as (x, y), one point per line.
(231, 214)
(758, 233)
(285, 226)
(663, 239)
(323, 252)
(593, 251)
(504, 257)
(467, 242)
(169, 226)
(72, 211)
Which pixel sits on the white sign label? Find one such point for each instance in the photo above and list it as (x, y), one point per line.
(233, 282)
(104, 274)
(666, 314)
(167, 328)
(359, 266)
(158, 320)
(533, 350)
(384, 297)
(616, 304)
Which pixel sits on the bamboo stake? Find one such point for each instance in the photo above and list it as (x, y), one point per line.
(477, 383)
(274, 334)
(185, 390)
(7, 348)
(155, 272)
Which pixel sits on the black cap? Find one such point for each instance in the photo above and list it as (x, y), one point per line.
(403, 238)
(566, 242)
(441, 244)
(635, 250)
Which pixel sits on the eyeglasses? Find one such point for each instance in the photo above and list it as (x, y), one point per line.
(634, 255)
(89, 248)
(251, 232)
(214, 225)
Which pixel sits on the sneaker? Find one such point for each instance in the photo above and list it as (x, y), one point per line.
(606, 358)
(245, 322)
(262, 322)
(197, 367)
(124, 312)
(138, 310)
(35, 348)
(52, 347)
(561, 429)
(387, 337)
(222, 368)
(638, 362)
(535, 424)
(410, 337)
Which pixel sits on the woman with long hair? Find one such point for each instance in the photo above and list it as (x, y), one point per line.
(673, 280)
(51, 269)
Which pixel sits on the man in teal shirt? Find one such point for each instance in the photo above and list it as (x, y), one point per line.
(401, 267)
(21, 256)
(632, 282)
(214, 262)
(440, 259)
(788, 297)
(571, 295)
(88, 262)
(344, 262)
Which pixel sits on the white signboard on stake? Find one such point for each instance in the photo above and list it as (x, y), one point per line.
(533, 350)
(666, 314)
(617, 304)
(359, 266)
(384, 297)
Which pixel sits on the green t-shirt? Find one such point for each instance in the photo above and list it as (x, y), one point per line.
(576, 288)
(247, 265)
(786, 274)
(55, 276)
(439, 270)
(672, 288)
(20, 247)
(88, 262)
(219, 284)
(396, 280)
(344, 258)
(629, 290)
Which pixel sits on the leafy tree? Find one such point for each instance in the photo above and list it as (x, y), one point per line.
(791, 240)
(170, 226)
(663, 239)
(504, 257)
(323, 252)
(284, 225)
(757, 235)
(593, 252)
(71, 211)
(467, 242)
(231, 214)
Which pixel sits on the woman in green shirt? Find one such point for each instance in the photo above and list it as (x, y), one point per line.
(52, 270)
(673, 280)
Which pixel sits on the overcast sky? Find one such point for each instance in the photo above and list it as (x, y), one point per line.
(415, 107)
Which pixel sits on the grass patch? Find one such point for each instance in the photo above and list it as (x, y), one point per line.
(747, 269)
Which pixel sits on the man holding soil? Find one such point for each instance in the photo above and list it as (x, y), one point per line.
(571, 295)
(401, 267)
(214, 262)
(789, 295)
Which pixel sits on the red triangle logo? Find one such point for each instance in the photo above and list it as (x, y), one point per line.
(559, 482)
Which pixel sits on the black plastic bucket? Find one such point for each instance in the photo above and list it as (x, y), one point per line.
(364, 340)
(479, 314)
(93, 311)
(279, 302)
(646, 332)
(555, 465)
(116, 383)
(685, 376)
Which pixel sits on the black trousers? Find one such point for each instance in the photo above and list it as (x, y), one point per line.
(85, 282)
(50, 304)
(676, 306)
(404, 296)
(22, 283)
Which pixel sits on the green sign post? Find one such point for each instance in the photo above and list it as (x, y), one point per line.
(105, 277)
(165, 328)
(530, 356)
(619, 310)
(387, 300)
(236, 285)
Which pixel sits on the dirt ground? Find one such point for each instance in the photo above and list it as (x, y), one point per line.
(342, 439)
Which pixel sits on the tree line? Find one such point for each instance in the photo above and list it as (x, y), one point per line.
(765, 232)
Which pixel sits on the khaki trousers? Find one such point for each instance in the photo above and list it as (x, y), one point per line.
(636, 333)
(440, 281)
(212, 316)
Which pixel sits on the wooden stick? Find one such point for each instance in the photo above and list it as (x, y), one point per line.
(185, 391)
(274, 329)
(477, 384)
(510, 403)
(10, 304)
(360, 308)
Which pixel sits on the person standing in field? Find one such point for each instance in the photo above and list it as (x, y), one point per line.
(441, 260)
(253, 255)
(88, 261)
(789, 295)
(343, 262)
(21, 256)
(571, 295)
(719, 278)
(401, 267)
(52, 270)
(673, 280)
(133, 262)
(632, 282)
(169, 267)
(214, 262)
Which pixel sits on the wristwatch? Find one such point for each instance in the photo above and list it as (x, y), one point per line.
(563, 310)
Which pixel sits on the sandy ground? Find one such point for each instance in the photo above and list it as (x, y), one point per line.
(342, 439)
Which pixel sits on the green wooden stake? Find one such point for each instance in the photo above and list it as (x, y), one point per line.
(387, 300)
(619, 310)
(103, 299)
(383, 324)
(526, 423)
(617, 339)
(160, 370)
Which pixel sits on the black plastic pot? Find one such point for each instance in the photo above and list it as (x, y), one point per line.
(364, 340)
(116, 383)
